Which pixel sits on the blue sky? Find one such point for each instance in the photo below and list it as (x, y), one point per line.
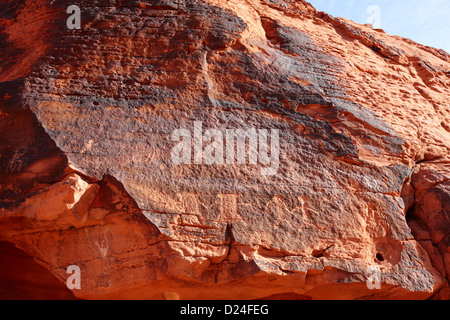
(424, 21)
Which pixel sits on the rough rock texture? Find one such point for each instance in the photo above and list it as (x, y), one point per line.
(86, 176)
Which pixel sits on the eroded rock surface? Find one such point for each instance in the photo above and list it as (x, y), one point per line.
(87, 119)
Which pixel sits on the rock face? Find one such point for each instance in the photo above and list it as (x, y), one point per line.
(116, 156)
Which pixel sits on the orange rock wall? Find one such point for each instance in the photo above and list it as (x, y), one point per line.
(86, 176)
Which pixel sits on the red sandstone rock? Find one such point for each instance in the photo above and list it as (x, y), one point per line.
(87, 179)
